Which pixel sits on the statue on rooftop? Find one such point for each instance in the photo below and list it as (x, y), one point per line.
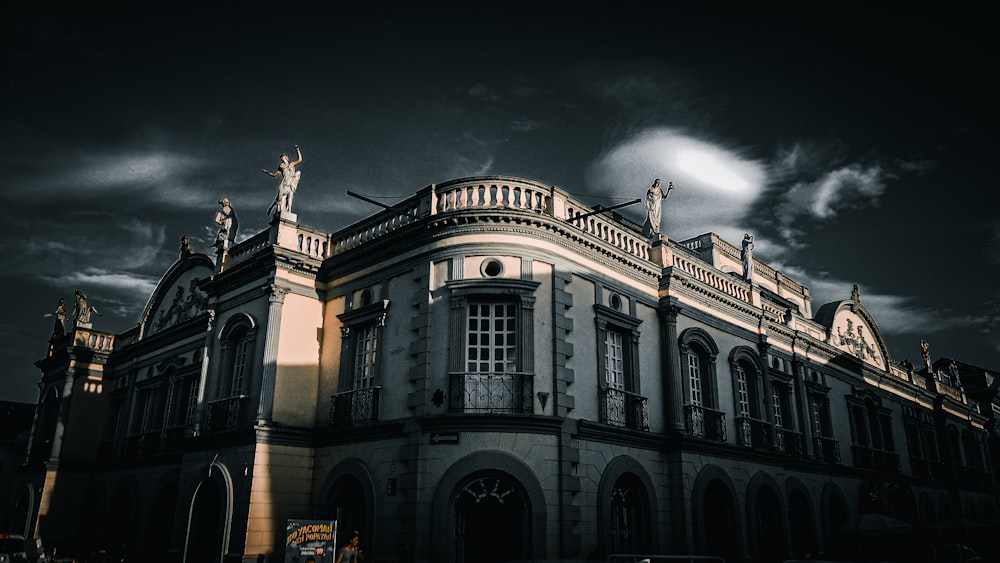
(59, 324)
(855, 293)
(185, 249)
(289, 182)
(81, 310)
(228, 224)
(926, 353)
(654, 198)
(746, 256)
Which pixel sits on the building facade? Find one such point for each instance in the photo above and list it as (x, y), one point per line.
(491, 371)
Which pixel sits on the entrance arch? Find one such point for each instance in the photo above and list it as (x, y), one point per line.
(210, 517)
(204, 537)
(491, 520)
(720, 523)
(801, 527)
(463, 473)
(768, 543)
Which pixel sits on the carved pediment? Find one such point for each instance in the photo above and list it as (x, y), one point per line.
(177, 297)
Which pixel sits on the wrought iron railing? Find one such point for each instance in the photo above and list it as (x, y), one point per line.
(623, 408)
(702, 422)
(878, 460)
(491, 392)
(789, 442)
(226, 414)
(754, 433)
(826, 449)
(354, 408)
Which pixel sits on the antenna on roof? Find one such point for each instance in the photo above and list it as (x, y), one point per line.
(399, 210)
(602, 209)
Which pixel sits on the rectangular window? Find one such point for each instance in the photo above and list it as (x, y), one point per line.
(492, 338)
(694, 378)
(776, 399)
(239, 367)
(192, 401)
(614, 360)
(743, 395)
(364, 361)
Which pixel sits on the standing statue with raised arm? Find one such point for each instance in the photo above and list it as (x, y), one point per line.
(59, 324)
(925, 351)
(746, 255)
(654, 197)
(289, 182)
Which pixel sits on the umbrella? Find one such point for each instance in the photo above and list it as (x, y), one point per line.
(872, 524)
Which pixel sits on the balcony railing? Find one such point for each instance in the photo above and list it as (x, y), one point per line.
(827, 449)
(226, 414)
(354, 408)
(148, 443)
(702, 422)
(924, 467)
(789, 442)
(878, 460)
(623, 408)
(491, 392)
(754, 433)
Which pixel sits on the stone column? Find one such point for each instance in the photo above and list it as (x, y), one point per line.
(270, 360)
(670, 356)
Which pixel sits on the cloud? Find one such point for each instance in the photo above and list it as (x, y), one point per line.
(816, 184)
(523, 125)
(703, 171)
(109, 281)
(483, 92)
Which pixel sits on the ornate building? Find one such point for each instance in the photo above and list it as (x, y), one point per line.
(490, 371)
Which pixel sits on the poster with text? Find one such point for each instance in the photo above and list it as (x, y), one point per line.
(310, 541)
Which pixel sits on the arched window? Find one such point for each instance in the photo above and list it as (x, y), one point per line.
(702, 418)
(233, 385)
(751, 426)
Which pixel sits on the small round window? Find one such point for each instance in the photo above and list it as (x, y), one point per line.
(366, 297)
(616, 302)
(491, 267)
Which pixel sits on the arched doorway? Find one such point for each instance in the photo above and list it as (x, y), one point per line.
(161, 522)
(492, 519)
(719, 522)
(347, 506)
(835, 516)
(769, 544)
(801, 526)
(120, 523)
(630, 531)
(205, 537)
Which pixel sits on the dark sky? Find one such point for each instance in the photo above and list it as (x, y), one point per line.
(856, 143)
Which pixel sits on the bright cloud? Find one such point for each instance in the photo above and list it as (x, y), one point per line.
(701, 170)
(109, 171)
(107, 281)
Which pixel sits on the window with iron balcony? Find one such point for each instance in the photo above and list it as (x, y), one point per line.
(491, 352)
(871, 429)
(752, 430)
(702, 418)
(621, 404)
(357, 402)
